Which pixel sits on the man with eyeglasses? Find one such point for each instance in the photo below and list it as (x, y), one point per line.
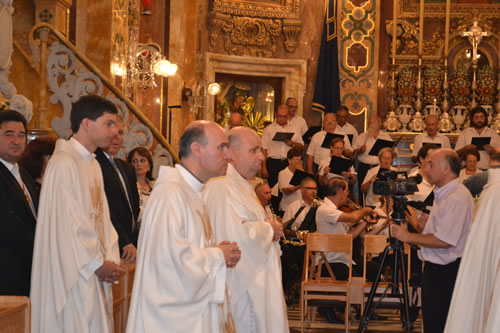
(18, 203)
(275, 151)
(342, 124)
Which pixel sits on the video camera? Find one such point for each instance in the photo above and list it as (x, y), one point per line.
(395, 183)
(398, 185)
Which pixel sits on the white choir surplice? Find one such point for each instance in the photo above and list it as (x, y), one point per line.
(180, 279)
(476, 298)
(255, 283)
(74, 235)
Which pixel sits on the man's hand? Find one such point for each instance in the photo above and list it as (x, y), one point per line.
(288, 142)
(489, 148)
(129, 253)
(277, 228)
(400, 232)
(231, 252)
(362, 148)
(109, 272)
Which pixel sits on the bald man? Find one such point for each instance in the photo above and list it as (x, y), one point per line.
(263, 192)
(234, 120)
(234, 210)
(431, 135)
(180, 279)
(275, 151)
(442, 240)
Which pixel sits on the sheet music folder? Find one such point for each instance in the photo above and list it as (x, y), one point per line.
(339, 164)
(282, 136)
(310, 132)
(328, 139)
(480, 142)
(379, 144)
(298, 176)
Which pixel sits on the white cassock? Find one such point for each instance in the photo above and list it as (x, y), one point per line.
(476, 298)
(257, 300)
(180, 278)
(74, 235)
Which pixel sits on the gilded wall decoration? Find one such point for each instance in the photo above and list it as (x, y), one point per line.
(436, 9)
(251, 27)
(357, 67)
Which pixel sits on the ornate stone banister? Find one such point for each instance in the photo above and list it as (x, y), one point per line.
(40, 60)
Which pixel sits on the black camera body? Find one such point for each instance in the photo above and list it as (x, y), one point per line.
(397, 185)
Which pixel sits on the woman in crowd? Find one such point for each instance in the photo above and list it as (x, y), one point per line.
(142, 161)
(471, 159)
(385, 156)
(36, 156)
(336, 149)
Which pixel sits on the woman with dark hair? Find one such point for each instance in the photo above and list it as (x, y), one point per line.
(142, 161)
(471, 158)
(36, 156)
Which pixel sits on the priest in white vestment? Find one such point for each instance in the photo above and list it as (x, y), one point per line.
(180, 279)
(235, 212)
(475, 305)
(76, 254)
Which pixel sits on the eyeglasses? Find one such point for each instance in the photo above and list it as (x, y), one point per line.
(311, 188)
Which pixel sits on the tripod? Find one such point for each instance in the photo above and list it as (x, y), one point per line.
(397, 247)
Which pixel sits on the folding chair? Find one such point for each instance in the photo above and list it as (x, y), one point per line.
(316, 289)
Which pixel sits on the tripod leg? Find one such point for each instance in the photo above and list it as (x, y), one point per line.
(367, 312)
(407, 322)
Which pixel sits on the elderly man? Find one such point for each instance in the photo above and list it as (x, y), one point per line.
(315, 152)
(431, 135)
(475, 303)
(442, 240)
(235, 119)
(478, 129)
(18, 203)
(120, 184)
(275, 151)
(180, 281)
(342, 124)
(293, 119)
(364, 144)
(255, 286)
(263, 192)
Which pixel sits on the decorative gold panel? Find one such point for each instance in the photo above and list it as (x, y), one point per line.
(251, 27)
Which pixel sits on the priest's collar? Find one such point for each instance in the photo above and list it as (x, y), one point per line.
(188, 176)
(81, 149)
(232, 172)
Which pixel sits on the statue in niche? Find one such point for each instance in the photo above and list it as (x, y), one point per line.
(241, 103)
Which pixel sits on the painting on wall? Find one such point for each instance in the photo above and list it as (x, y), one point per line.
(254, 98)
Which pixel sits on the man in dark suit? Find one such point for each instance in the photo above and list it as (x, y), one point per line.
(18, 204)
(120, 184)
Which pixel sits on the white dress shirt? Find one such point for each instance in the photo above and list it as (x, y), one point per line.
(465, 138)
(278, 149)
(449, 221)
(327, 222)
(363, 139)
(372, 199)
(299, 123)
(319, 153)
(284, 178)
(423, 138)
(293, 208)
(349, 130)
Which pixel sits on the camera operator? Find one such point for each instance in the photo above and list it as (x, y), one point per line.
(443, 238)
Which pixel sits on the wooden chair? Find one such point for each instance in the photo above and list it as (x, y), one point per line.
(15, 314)
(317, 289)
(376, 244)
